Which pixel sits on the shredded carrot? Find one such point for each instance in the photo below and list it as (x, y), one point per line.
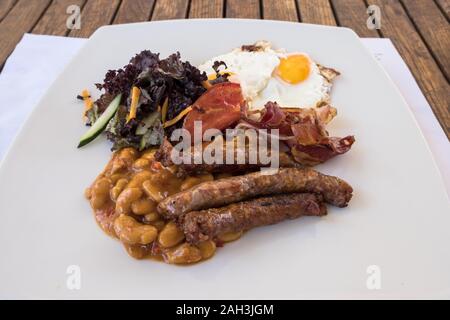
(164, 110)
(178, 117)
(206, 84)
(135, 93)
(85, 93)
(88, 104)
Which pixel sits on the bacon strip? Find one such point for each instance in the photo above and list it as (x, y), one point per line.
(310, 143)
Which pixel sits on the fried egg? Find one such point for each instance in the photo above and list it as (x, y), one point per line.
(293, 80)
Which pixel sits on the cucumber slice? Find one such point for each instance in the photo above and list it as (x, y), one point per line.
(101, 122)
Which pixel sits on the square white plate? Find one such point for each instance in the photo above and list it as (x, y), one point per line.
(398, 220)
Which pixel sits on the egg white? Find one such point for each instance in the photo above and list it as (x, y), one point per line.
(251, 69)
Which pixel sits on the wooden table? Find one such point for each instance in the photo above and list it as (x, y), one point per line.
(418, 28)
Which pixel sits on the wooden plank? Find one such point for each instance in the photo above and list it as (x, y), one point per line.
(396, 25)
(53, 22)
(5, 6)
(95, 13)
(445, 7)
(243, 9)
(206, 9)
(353, 14)
(316, 11)
(22, 17)
(280, 10)
(170, 9)
(434, 28)
(134, 11)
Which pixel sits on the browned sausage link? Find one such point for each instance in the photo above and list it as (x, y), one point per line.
(285, 161)
(221, 192)
(206, 224)
(163, 155)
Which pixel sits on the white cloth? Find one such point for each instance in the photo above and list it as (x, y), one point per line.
(38, 59)
(28, 73)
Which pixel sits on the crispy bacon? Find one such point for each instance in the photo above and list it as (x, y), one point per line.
(273, 116)
(309, 141)
(322, 151)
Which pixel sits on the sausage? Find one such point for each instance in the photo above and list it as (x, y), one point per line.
(213, 194)
(207, 224)
(285, 160)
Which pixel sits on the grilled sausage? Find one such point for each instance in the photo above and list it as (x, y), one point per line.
(207, 224)
(221, 192)
(285, 160)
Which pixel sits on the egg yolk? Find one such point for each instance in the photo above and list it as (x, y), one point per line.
(294, 69)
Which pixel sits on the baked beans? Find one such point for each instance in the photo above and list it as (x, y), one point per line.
(124, 199)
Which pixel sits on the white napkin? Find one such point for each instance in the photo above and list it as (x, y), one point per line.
(38, 59)
(29, 71)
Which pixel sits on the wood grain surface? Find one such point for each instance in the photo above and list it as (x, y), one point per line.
(170, 9)
(250, 9)
(207, 9)
(279, 10)
(53, 21)
(353, 14)
(316, 11)
(95, 13)
(5, 7)
(134, 11)
(434, 29)
(445, 7)
(20, 19)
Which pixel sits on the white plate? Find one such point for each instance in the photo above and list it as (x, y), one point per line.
(398, 220)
